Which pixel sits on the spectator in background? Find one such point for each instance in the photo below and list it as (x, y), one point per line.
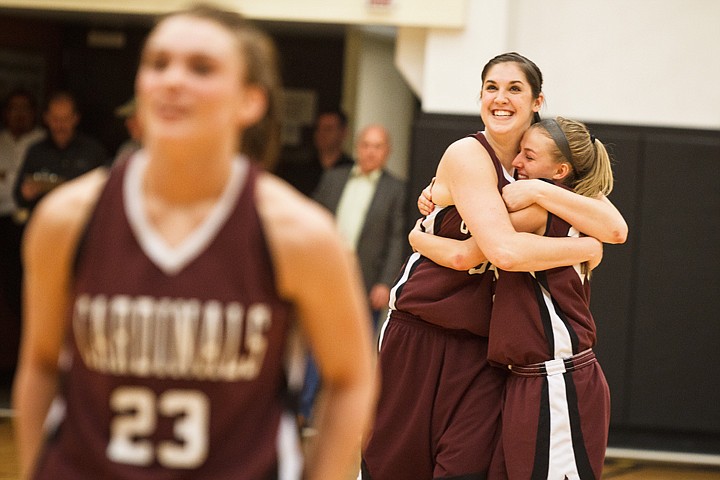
(329, 134)
(20, 130)
(369, 203)
(331, 130)
(128, 112)
(63, 155)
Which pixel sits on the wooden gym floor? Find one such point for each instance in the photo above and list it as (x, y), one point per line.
(615, 468)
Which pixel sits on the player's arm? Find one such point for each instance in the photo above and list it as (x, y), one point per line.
(596, 217)
(448, 252)
(466, 254)
(466, 178)
(321, 278)
(48, 251)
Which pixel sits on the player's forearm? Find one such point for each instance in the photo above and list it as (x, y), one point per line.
(527, 252)
(448, 252)
(596, 217)
(33, 392)
(342, 418)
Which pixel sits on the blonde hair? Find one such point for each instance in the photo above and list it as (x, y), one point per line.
(591, 173)
(261, 141)
(591, 170)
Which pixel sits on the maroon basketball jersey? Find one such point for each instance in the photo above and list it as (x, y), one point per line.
(543, 315)
(174, 353)
(449, 298)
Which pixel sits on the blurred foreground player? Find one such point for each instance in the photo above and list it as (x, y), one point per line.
(160, 298)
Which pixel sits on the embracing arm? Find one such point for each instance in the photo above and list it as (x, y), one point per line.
(596, 217)
(466, 254)
(448, 252)
(321, 278)
(466, 177)
(48, 250)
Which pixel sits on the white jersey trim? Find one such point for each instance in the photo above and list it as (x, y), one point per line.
(169, 259)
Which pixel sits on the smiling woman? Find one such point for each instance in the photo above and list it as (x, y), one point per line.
(176, 281)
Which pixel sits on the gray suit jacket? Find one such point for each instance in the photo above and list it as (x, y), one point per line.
(381, 245)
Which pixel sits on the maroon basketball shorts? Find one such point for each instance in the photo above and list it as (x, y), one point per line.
(556, 425)
(439, 408)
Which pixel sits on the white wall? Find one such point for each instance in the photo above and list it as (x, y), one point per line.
(454, 58)
(375, 92)
(644, 62)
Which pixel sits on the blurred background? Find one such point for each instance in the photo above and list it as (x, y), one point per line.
(643, 74)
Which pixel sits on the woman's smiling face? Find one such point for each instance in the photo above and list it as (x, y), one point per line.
(537, 157)
(507, 101)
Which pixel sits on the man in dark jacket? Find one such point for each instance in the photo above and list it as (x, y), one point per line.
(63, 155)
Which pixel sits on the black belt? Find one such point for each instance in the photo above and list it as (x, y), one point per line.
(555, 367)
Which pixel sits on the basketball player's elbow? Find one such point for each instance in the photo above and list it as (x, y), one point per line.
(618, 235)
(462, 261)
(504, 258)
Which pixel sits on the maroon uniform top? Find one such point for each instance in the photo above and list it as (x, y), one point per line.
(174, 354)
(453, 299)
(543, 315)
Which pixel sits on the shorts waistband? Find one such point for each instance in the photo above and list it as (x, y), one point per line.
(555, 367)
(410, 319)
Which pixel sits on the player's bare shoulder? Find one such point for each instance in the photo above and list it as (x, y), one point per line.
(290, 217)
(61, 215)
(462, 161)
(464, 148)
(301, 235)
